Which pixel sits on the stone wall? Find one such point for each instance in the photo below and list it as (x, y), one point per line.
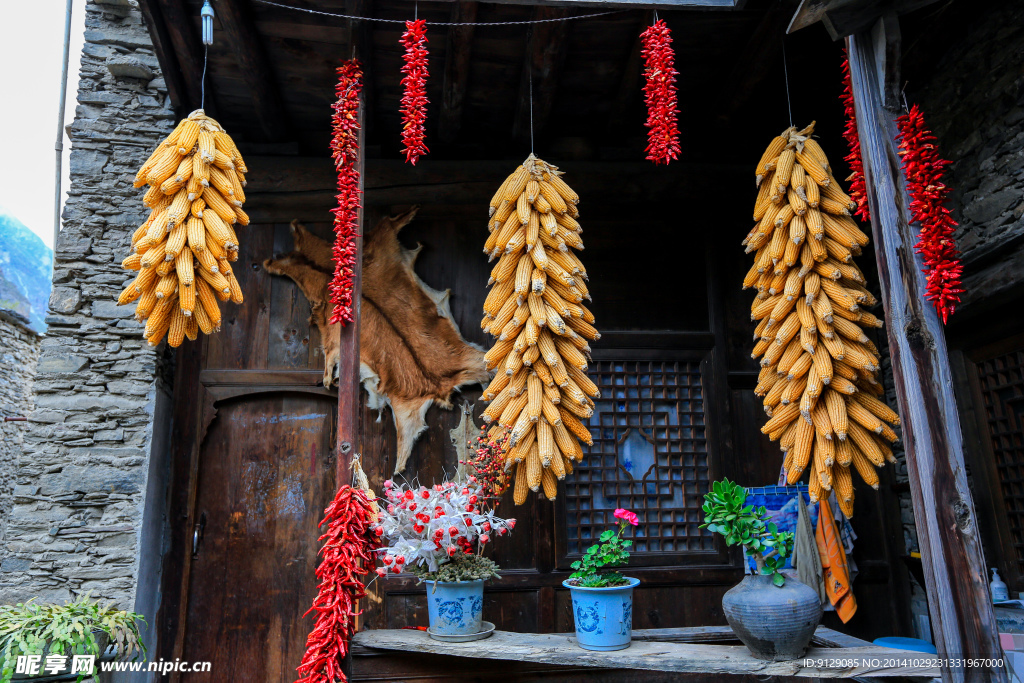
(19, 349)
(97, 431)
(973, 98)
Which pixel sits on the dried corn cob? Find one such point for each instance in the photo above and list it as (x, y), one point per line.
(541, 354)
(195, 192)
(819, 369)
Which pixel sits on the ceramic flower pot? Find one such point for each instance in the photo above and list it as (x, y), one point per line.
(775, 623)
(455, 608)
(603, 616)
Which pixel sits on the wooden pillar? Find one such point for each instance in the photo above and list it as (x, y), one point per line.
(348, 356)
(958, 601)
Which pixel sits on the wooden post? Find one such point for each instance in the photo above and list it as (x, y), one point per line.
(348, 356)
(959, 605)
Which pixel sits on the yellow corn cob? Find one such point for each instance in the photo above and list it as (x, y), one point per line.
(520, 489)
(159, 320)
(191, 327)
(770, 156)
(865, 468)
(843, 484)
(561, 187)
(864, 441)
(534, 468)
(132, 262)
(176, 333)
(877, 408)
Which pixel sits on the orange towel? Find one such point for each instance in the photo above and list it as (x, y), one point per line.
(833, 564)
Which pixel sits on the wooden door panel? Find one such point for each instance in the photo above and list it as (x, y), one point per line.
(265, 476)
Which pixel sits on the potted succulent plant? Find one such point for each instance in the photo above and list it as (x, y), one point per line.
(602, 598)
(50, 636)
(774, 617)
(439, 534)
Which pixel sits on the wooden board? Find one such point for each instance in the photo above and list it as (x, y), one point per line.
(655, 655)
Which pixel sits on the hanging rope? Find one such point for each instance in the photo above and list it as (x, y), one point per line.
(785, 74)
(530, 67)
(438, 23)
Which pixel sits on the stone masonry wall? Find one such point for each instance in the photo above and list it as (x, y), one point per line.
(81, 491)
(974, 101)
(19, 349)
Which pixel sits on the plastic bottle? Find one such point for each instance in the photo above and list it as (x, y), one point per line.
(997, 588)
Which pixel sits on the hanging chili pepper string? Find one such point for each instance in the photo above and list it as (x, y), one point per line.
(345, 151)
(414, 98)
(858, 188)
(348, 546)
(924, 170)
(660, 93)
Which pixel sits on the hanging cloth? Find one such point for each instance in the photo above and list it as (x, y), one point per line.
(833, 563)
(805, 552)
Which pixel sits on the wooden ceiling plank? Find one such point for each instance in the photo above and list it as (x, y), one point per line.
(458, 49)
(181, 29)
(546, 49)
(246, 44)
(169, 68)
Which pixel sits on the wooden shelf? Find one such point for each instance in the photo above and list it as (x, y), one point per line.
(681, 650)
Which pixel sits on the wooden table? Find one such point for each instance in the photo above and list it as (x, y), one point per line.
(680, 650)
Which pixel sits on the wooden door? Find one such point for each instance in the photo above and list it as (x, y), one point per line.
(264, 474)
(253, 469)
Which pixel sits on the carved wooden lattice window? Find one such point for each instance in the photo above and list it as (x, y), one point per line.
(649, 455)
(1002, 386)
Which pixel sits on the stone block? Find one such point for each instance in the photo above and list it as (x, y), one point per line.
(87, 162)
(108, 435)
(109, 310)
(65, 300)
(129, 66)
(58, 362)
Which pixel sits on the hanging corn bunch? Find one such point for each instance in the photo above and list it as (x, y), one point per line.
(541, 391)
(819, 371)
(182, 253)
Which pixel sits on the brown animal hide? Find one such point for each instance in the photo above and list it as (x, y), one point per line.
(410, 351)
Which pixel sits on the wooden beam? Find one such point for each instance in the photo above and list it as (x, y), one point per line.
(181, 28)
(955, 577)
(169, 68)
(845, 17)
(885, 35)
(632, 4)
(545, 55)
(244, 41)
(458, 48)
(718, 662)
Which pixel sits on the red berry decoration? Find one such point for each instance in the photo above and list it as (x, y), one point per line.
(345, 150)
(348, 546)
(414, 99)
(858, 188)
(936, 243)
(660, 93)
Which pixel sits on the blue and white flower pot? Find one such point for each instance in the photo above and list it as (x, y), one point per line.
(455, 608)
(603, 616)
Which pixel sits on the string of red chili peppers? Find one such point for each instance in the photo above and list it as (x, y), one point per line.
(660, 93)
(924, 169)
(414, 98)
(858, 187)
(345, 150)
(348, 546)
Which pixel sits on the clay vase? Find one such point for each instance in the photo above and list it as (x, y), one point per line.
(775, 623)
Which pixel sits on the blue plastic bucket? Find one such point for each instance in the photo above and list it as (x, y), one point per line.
(455, 608)
(603, 616)
(909, 644)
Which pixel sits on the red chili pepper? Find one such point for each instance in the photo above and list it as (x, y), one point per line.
(923, 168)
(345, 150)
(414, 98)
(858, 188)
(660, 93)
(346, 540)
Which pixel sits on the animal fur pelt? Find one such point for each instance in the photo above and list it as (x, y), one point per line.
(411, 353)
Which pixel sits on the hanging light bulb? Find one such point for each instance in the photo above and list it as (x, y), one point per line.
(207, 14)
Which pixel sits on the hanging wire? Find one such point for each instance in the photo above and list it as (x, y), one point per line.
(785, 73)
(202, 82)
(529, 66)
(438, 23)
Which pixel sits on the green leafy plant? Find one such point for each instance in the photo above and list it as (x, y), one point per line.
(32, 628)
(595, 569)
(725, 513)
